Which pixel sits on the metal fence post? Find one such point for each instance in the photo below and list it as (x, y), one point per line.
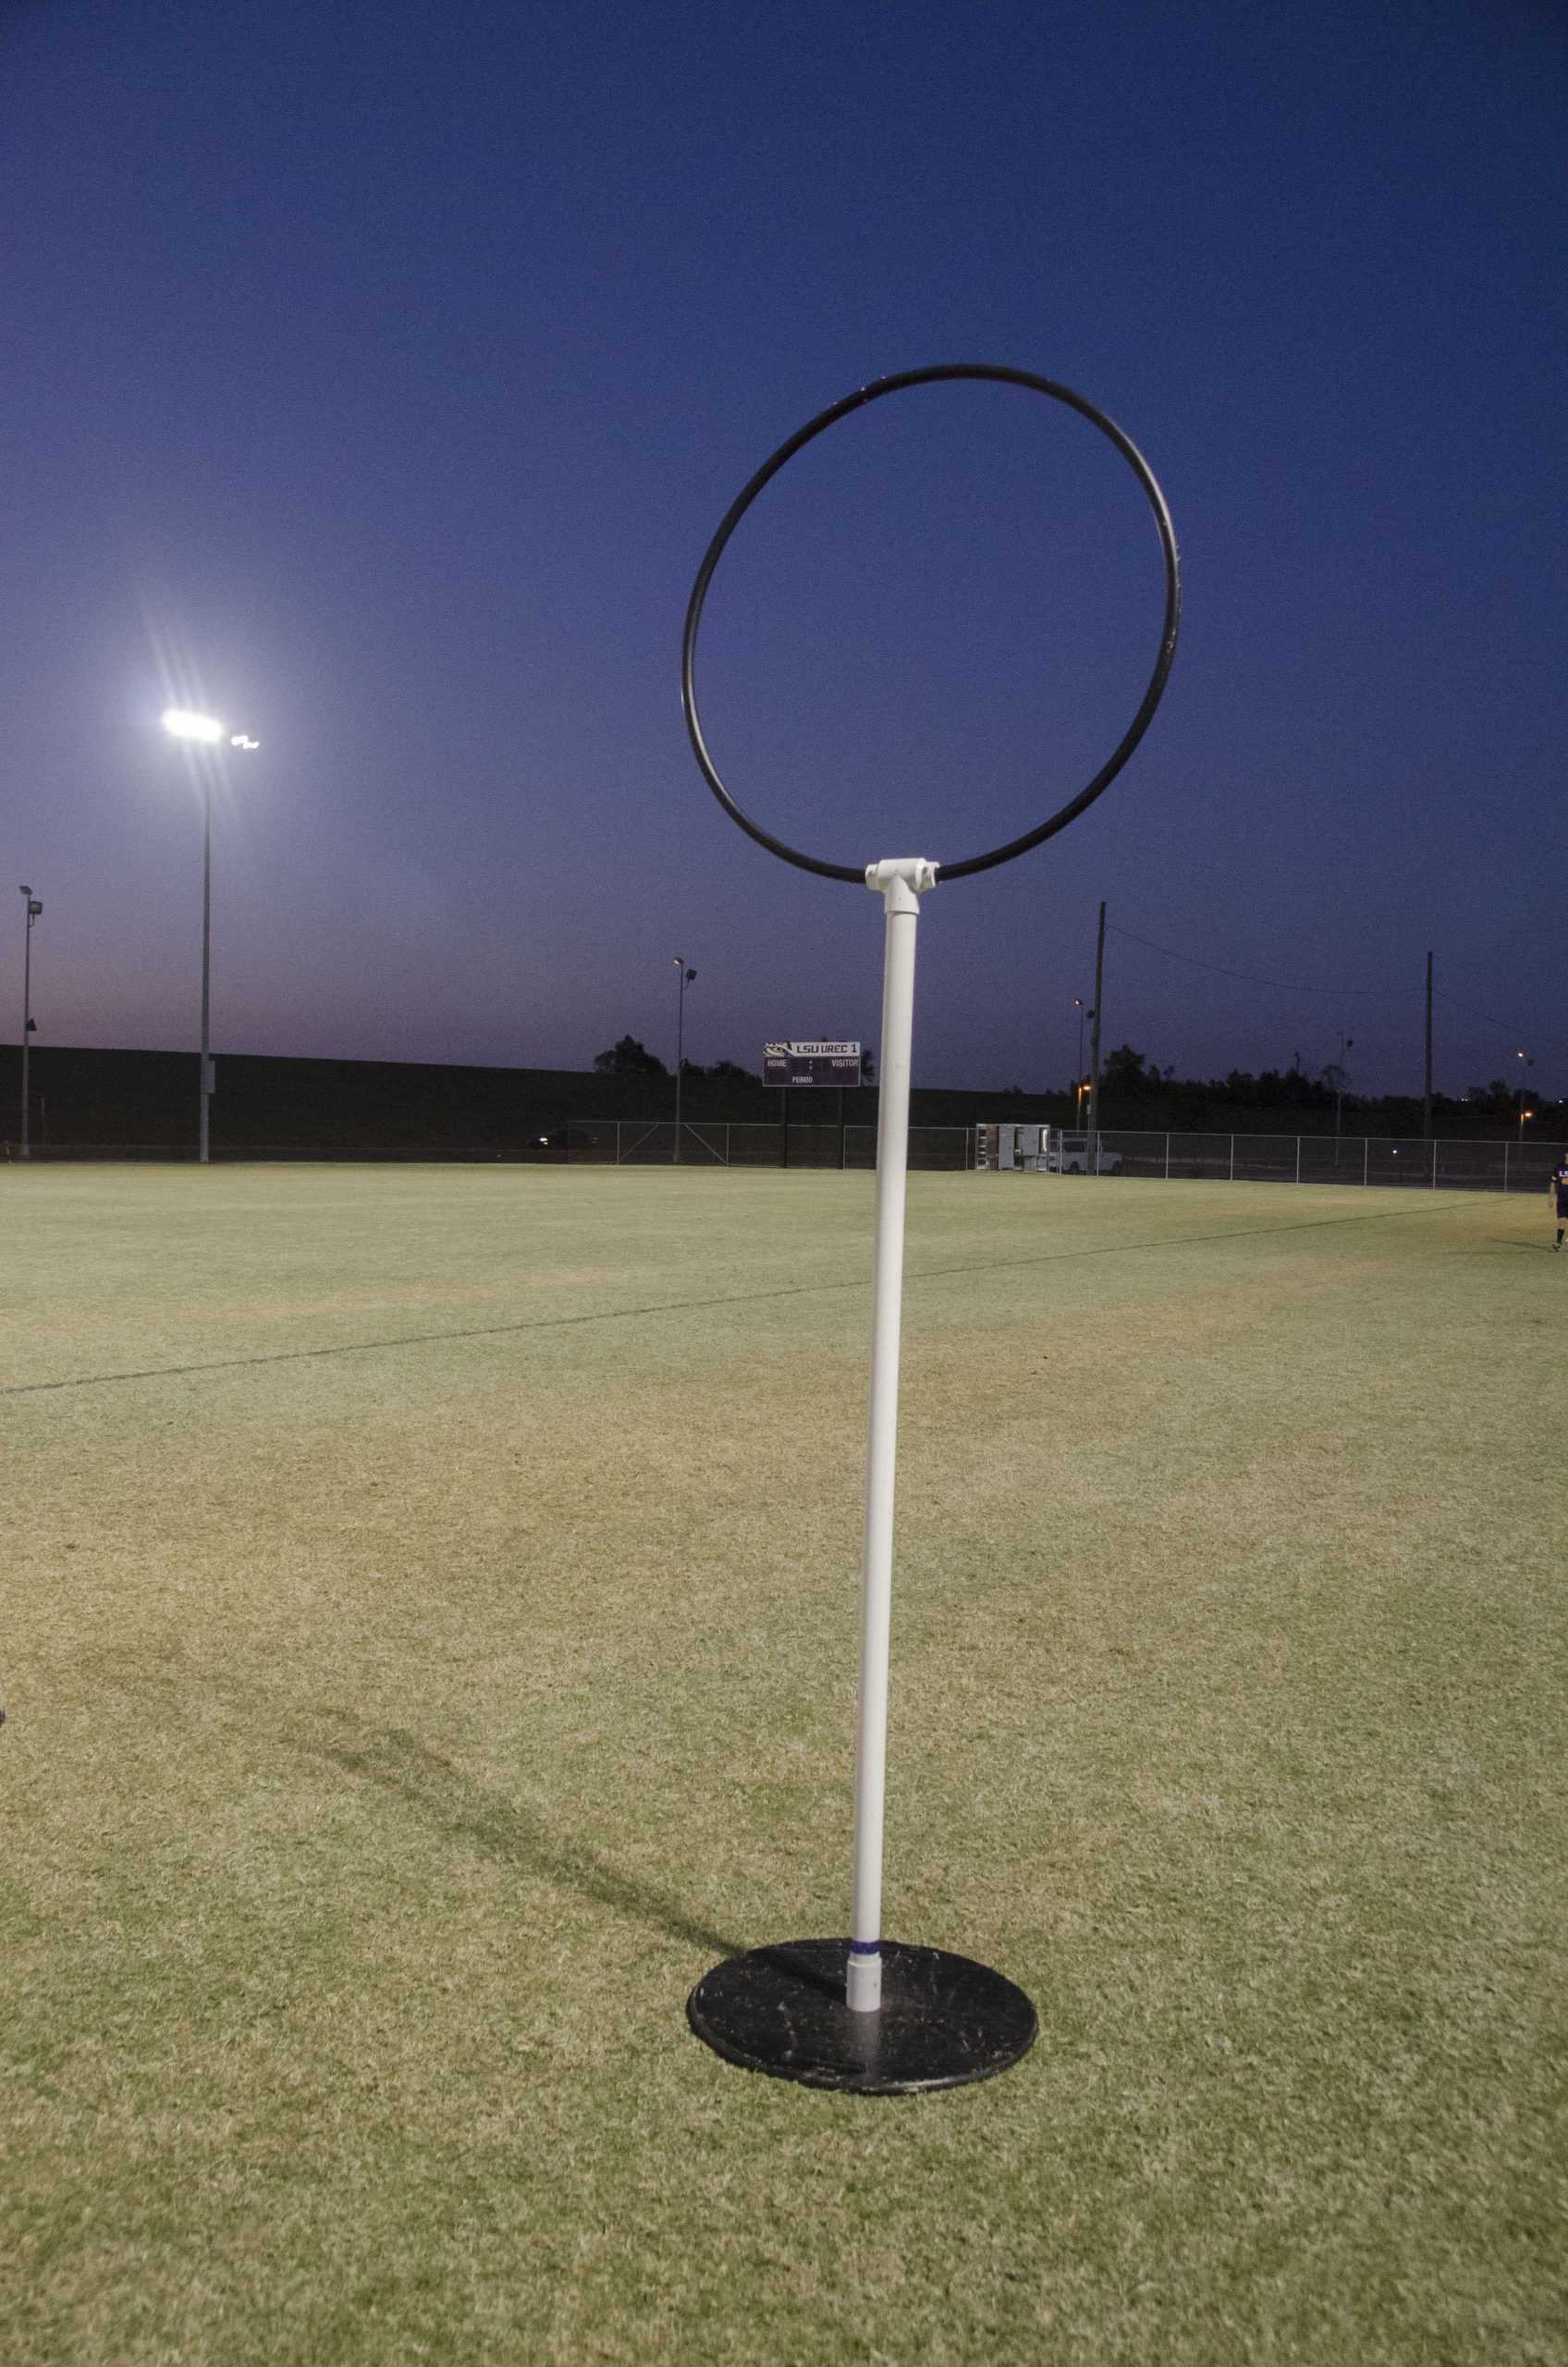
(1298, 1159)
(1434, 1162)
(1232, 1159)
(1365, 1158)
(1168, 1158)
(1505, 1151)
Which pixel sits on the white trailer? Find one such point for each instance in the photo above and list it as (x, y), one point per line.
(1043, 1150)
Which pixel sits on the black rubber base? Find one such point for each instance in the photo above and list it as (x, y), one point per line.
(944, 2021)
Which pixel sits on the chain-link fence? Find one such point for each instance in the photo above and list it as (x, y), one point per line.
(642, 1141)
(1411, 1165)
(625, 1142)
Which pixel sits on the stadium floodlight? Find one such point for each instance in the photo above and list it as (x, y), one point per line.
(182, 723)
(204, 731)
(861, 2012)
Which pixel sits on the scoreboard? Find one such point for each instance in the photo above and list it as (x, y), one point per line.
(811, 1063)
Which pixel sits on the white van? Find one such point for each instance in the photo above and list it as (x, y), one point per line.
(1066, 1154)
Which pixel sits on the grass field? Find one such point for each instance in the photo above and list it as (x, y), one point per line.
(428, 1625)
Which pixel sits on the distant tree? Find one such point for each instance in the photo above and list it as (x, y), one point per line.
(1129, 1077)
(628, 1058)
(1299, 1089)
(730, 1072)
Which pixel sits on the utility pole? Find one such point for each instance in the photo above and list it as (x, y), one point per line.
(1095, 1039)
(1426, 1102)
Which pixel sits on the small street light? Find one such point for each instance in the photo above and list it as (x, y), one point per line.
(686, 978)
(29, 1025)
(1082, 1015)
(205, 732)
(1525, 1064)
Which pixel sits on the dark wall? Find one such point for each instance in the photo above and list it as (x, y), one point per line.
(84, 1099)
(147, 1101)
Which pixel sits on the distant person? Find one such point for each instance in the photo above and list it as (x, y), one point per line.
(1558, 1187)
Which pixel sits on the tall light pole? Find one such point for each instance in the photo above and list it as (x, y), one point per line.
(1427, 1095)
(686, 978)
(1095, 1040)
(204, 731)
(34, 909)
(1347, 1044)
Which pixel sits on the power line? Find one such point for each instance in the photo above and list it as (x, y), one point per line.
(1549, 1044)
(1249, 978)
(1362, 995)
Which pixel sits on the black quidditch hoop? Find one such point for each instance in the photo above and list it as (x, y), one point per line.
(770, 469)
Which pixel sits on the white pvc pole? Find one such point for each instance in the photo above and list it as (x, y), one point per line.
(900, 885)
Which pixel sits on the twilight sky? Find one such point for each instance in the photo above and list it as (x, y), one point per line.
(376, 371)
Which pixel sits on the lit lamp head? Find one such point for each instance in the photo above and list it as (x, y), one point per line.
(181, 723)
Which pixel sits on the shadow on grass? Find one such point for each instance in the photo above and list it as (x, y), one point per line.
(858, 1282)
(401, 1764)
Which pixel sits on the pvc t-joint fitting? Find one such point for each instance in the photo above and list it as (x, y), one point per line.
(913, 871)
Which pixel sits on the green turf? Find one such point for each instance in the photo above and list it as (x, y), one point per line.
(428, 1624)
